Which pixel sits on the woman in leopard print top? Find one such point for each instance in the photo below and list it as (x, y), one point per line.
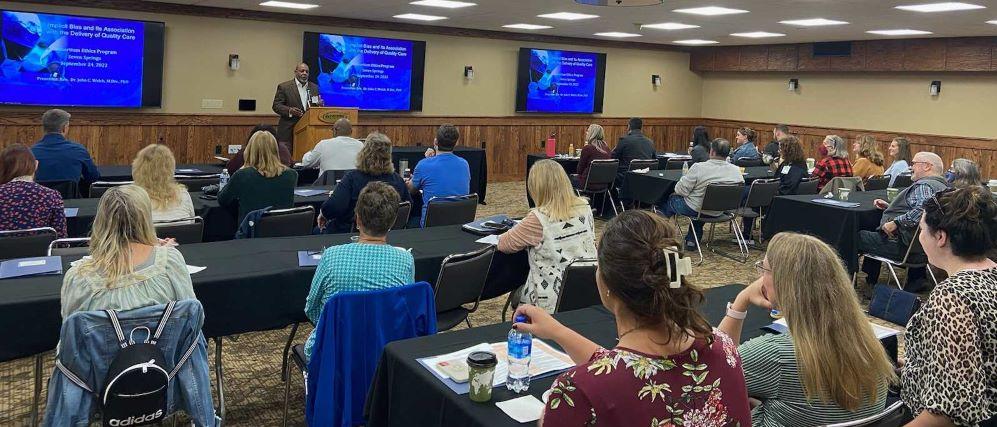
(950, 377)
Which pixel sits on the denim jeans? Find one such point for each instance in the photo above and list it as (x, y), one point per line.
(676, 205)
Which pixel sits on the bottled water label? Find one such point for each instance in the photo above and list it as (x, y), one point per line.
(521, 348)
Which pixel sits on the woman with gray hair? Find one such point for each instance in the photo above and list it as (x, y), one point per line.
(963, 173)
(835, 164)
(595, 149)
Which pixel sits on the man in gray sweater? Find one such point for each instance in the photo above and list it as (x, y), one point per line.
(691, 188)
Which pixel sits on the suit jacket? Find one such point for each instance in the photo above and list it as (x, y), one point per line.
(633, 146)
(287, 97)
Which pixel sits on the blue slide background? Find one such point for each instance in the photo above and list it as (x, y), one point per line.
(43, 62)
(561, 81)
(365, 72)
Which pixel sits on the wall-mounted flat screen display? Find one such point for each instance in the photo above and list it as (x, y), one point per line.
(560, 81)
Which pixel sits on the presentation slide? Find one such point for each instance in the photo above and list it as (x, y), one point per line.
(70, 60)
(368, 73)
(561, 81)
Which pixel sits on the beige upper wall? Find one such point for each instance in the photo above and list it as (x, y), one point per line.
(197, 52)
(888, 102)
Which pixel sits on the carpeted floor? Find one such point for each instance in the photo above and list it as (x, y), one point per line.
(253, 387)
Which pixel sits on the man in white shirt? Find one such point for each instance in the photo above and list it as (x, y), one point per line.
(292, 99)
(337, 153)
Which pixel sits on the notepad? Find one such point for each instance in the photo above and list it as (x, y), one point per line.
(837, 203)
(189, 171)
(545, 361)
(491, 239)
(305, 192)
(309, 258)
(71, 212)
(21, 267)
(522, 409)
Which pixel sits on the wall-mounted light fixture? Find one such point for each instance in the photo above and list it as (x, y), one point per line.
(233, 61)
(794, 85)
(935, 88)
(468, 72)
(655, 80)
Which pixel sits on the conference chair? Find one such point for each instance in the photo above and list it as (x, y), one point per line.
(807, 186)
(675, 164)
(401, 221)
(68, 189)
(452, 210)
(724, 198)
(26, 243)
(98, 188)
(747, 163)
(183, 230)
(331, 176)
(760, 195)
(877, 182)
(74, 246)
(460, 282)
(196, 182)
(636, 164)
(286, 222)
(913, 257)
(578, 288)
(903, 180)
(893, 416)
(600, 180)
(852, 183)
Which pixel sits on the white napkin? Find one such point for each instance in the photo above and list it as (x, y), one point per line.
(193, 269)
(522, 409)
(645, 170)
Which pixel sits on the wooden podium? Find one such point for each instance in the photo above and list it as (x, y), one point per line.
(316, 125)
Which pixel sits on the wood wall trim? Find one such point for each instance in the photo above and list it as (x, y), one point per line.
(334, 21)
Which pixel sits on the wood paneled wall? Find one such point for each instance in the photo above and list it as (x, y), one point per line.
(115, 138)
(975, 54)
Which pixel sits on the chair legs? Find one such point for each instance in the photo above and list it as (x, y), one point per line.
(287, 350)
(38, 389)
(742, 246)
(220, 379)
(468, 321)
(695, 237)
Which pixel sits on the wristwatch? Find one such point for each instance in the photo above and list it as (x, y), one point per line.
(734, 314)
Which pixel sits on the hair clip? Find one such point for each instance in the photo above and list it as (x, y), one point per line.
(677, 267)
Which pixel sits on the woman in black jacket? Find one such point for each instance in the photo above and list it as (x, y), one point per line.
(700, 150)
(790, 173)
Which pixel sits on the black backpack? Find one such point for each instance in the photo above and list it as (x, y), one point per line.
(137, 381)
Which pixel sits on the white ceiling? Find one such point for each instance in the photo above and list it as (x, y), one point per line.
(863, 15)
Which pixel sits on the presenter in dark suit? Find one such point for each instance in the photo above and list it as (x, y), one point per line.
(292, 99)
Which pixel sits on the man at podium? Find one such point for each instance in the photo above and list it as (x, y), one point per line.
(292, 99)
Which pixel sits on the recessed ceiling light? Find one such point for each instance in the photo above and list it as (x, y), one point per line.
(288, 5)
(616, 34)
(900, 32)
(527, 26)
(669, 26)
(815, 22)
(758, 34)
(992, 22)
(711, 10)
(420, 17)
(695, 42)
(568, 16)
(449, 4)
(948, 6)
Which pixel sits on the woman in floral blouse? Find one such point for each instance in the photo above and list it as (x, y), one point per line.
(25, 204)
(670, 367)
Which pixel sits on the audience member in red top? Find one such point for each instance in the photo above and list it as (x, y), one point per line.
(669, 367)
(835, 164)
(23, 203)
(595, 149)
(236, 162)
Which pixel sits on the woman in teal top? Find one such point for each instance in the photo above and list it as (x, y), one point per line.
(263, 180)
(367, 265)
(829, 368)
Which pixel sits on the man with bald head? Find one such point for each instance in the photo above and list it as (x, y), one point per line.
(292, 99)
(901, 218)
(336, 153)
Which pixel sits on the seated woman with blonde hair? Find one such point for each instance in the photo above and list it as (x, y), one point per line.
(870, 160)
(128, 267)
(152, 170)
(262, 181)
(829, 367)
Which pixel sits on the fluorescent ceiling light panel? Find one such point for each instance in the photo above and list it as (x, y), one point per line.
(616, 34)
(419, 17)
(814, 22)
(527, 26)
(900, 32)
(711, 11)
(568, 16)
(449, 4)
(289, 5)
(695, 42)
(994, 22)
(758, 34)
(948, 6)
(669, 26)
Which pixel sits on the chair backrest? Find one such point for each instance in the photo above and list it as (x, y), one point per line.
(578, 289)
(892, 416)
(749, 162)
(914, 249)
(643, 164)
(404, 210)
(286, 222)
(462, 278)
(602, 174)
(97, 189)
(877, 182)
(196, 183)
(68, 189)
(903, 180)
(344, 360)
(454, 210)
(26, 243)
(722, 197)
(807, 186)
(69, 247)
(184, 230)
(761, 192)
(331, 176)
(675, 164)
(852, 183)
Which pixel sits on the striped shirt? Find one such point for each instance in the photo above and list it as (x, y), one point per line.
(772, 376)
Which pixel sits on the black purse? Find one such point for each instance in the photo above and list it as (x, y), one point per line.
(893, 305)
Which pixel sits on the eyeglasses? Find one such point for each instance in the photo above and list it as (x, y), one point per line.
(760, 267)
(934, 198)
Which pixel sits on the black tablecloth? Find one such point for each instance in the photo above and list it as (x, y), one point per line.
(124, 172)
(219, 223)
(837, 226)
(249, 285)
(405, 393)
(657, 185)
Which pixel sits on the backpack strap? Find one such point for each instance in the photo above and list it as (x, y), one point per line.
(184, 358)
(117, 328)
(71, 376)
(167, 311)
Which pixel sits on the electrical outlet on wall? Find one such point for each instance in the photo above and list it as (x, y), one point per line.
(211, 104)
(234, 149)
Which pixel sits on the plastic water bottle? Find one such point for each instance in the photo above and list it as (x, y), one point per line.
(520, 346)
(685, 168)
(223, 179)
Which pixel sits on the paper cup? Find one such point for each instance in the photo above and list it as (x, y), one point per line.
(481, 374)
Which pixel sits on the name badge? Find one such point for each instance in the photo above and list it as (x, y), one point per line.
(314, 100)
(785, 170)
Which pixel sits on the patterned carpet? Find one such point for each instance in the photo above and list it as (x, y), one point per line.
(253, 388)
